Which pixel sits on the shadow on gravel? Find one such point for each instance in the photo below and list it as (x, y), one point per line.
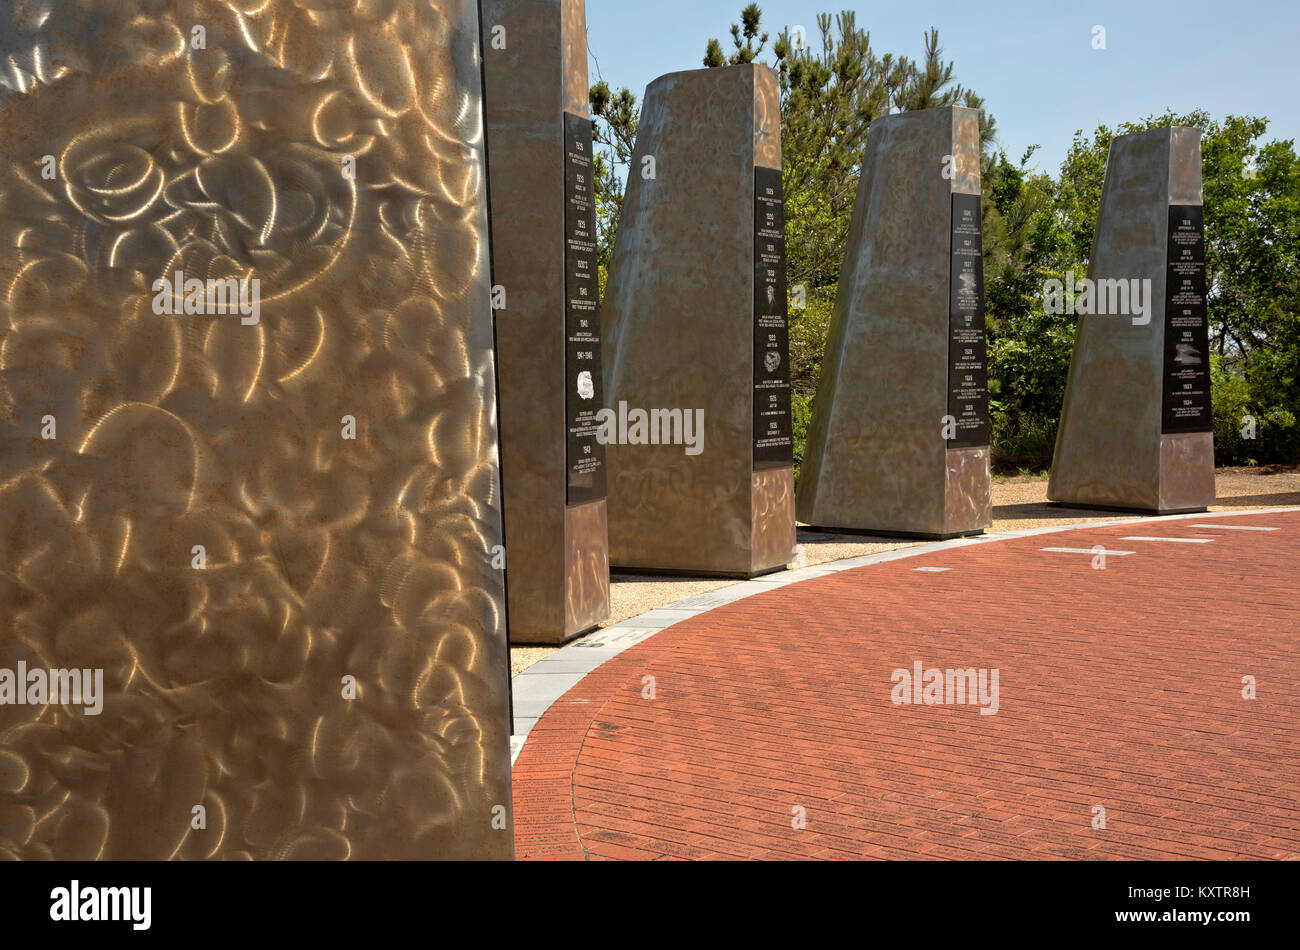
(1279, 500)
(1041, 511)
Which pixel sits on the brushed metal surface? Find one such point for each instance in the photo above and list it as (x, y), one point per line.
(767, 121)
(966, 151)
(325, 557)
(1185, 166)
(574, 27)
(586, 566)
(875, 457)
(529, 86)
(678, 323)
(1186, 471)
(773, 527)
(1110, 451)
(969, 492)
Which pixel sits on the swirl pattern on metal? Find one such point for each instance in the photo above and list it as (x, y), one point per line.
(271, 525)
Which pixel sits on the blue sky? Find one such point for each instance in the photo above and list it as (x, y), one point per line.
(1031, 60)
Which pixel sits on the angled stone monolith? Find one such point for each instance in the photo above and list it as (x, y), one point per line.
(899, 439)
(696, 335)
(1136, 428)
(248, 452)
(548, 331)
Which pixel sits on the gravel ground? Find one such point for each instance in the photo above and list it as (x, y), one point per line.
(1018, 503)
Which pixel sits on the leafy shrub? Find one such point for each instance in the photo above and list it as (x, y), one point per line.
(1244, 432)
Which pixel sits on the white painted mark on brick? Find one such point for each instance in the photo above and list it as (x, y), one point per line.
(932, 570)
(1107, 551)
(1234, 527)
(1174, 540)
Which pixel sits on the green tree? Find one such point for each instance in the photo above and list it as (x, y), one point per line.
(1036, 227)
(830, 95)
(1252, 198)
(1028, 349)
(1252, 229)
(615, 116)
(745, 52)
(828, 100)
(831, 92)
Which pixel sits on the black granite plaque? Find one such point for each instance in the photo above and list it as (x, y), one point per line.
(1186, 404)
(773, 429)
(968, 375)
(584, 455)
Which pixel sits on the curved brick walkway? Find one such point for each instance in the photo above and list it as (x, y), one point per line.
(1119, 688)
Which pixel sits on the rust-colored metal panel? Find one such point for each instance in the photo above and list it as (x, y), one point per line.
(271, 527)
(574, 27)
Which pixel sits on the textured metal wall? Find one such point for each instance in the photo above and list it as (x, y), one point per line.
(325, 557)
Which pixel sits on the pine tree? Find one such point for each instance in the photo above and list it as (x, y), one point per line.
(746, 52)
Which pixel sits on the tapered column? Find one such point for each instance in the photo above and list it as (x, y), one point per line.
(899, 439)
(1136, 429)
(696, 342)
(548, 320)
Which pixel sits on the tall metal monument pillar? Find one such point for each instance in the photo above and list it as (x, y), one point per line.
(696, 342)
(899, 439)
(248, 457)
(1137, 431)
(548, 331)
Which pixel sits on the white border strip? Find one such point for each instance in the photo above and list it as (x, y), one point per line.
(537, 688)
(1174, 540)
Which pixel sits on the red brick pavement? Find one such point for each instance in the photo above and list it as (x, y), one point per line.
(1119, 687)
